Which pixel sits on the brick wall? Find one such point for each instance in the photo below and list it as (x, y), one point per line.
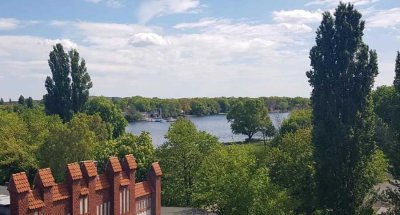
(87, 192)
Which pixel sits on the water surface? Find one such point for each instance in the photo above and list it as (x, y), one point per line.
(216, 125)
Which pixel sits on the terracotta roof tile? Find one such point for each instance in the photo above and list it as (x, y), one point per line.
(102, 182)
(156, 169)
(20, 180)
(142, 189)
(84, 191)
(34, 200)
(124, 179)
(115, 164)
(130, 160)
(90, 168)
(74, 171)
(60, 192)
(46, 177)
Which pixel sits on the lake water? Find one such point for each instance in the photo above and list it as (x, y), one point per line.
(216, 125)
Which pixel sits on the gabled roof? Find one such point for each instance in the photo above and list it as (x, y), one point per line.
(142, 189)
(156, 168)
(74, 170)
(124, 179)
(20, 181)
(45, 178)
(102, 182)
(115, 164)
(60, 192)
(34, 200)
(130, 161)
(90, 168)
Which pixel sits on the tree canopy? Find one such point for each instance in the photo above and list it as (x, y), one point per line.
(65, 96)
(342, 75)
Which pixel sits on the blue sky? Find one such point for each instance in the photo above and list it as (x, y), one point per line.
(180, 48)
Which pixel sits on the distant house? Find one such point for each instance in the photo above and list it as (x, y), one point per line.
(87, 192)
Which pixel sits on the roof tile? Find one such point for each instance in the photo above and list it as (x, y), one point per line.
(156, 168)
(60, 192)
(34, 200)
(115, 164)
(124, 179)
(142, 189)
(21, 182)
(90, 168)
(102, 182)
(131, 161)
(74, 171)
(46, 177)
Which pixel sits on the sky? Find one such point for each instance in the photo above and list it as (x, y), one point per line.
(181, 48)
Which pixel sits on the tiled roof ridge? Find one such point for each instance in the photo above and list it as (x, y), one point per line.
(46, 177)
(156, 168)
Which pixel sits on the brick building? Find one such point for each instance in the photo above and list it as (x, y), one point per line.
(87, 192)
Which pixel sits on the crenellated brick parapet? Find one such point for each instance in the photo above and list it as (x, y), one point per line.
(87, 192)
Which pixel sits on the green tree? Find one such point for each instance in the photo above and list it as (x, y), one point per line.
(266, 127)
(81, 82)
(71, 142)
(246, 117)
(228, 182)
(16, 153)
(1, 101)
(298, 119)
(291, 166)
(110, 114)
(58, 97)
(29, 102)
(140, 146)
(267, 197)
(396, 81)
(180, 158)
(342, 75)
(68, 88)
(21, 100)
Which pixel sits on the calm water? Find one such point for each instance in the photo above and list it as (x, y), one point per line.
(216, 125)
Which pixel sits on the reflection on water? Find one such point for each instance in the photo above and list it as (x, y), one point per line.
(216, 125)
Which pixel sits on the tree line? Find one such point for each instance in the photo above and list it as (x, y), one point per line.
(132, 106)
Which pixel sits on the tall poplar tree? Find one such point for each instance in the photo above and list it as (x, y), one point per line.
(396, 81)
(68, 88)
(342, 75)
(81, 82)
(58, 97)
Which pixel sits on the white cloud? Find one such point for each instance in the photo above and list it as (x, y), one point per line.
(384, 18)
(297, 16)
(149, 9)
(9, 23)
(145, 39)
(331, 3)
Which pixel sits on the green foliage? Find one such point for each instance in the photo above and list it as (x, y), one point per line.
(342, 75)
(248, 117)
(180, 158)
(20, 136)
(109, 113)
(140, 146)
(228, 182)
(298, 119)
(1, 101)
(396, 81)
(71, 142)
(81, 82)
(29, 102)
(267, 197)
(291, 166)
(63, 97)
